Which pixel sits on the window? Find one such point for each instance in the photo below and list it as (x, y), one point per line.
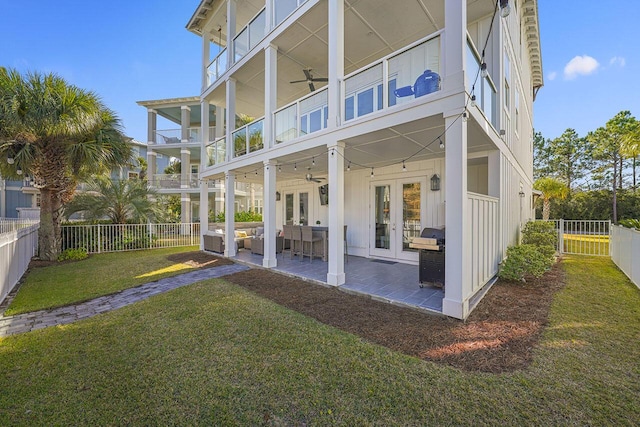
(507, 83)
(517, 111)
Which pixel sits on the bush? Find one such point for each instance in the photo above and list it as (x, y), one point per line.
(524, 260)
(73, 254)
(244, 216)
(630, 223)
(540, 233)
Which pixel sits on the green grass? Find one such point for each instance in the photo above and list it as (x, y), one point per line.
(103, 274)
(215, 354)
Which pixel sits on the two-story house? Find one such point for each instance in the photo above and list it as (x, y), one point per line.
(411, 114)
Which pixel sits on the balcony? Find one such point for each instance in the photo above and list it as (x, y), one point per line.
(173, 136)
(174, 181)
(248, 138)
(217, 67)
(396, 79)
(250, 36)
(304, 116)
(216, 151)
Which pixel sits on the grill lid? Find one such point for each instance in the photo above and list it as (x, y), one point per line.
(434, 233)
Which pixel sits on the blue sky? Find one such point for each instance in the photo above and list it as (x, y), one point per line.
(134, 50)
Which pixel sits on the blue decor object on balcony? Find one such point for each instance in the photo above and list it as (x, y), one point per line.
(428, 82)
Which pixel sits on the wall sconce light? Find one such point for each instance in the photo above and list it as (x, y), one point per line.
(277, 196)
(503, 132)
(435, 182)
(521, 193)
(505, 8)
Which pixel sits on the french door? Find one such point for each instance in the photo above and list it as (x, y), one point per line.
(297, 207)
(398, 212)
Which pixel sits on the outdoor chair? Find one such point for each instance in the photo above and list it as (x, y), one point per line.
(308, 237)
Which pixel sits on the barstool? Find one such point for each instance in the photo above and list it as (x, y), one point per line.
(286, 233)
(308, 237)
(296, 237)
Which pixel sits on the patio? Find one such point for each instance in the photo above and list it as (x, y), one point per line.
(387, 281)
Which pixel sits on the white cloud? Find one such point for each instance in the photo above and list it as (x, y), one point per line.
(580, 65)
(618, 60)
(552, 75)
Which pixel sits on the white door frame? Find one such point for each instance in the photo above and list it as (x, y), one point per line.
(396, 233)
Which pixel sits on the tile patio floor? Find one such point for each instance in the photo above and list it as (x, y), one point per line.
(392, 282)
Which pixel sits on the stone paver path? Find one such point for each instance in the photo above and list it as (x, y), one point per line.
(60, 316)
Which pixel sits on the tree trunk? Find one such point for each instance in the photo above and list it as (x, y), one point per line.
(546, 209)
(633, 165)
(49, 235)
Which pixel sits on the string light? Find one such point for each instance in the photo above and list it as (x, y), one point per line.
(473, 100)
(483, 69)
(10, 160)
(441, 143)
(295, 167)
(371, 172)
(279, 168)
(465, 117)
(505, 8)
(349, 166)
(19, 171)
(404, 168)
(313, 161)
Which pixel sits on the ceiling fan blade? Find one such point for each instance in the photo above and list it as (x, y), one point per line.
(320, 79)
(312, 87)
(299, 81)
(307, 74)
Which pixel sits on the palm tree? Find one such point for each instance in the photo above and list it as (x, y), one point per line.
(551, 189)
(58, 134)
(120, 201)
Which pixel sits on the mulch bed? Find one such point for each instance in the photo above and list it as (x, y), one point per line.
(499, 335)
(199, 259)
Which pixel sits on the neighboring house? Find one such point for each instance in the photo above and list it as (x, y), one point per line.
(20, 199)
(416, 114)
(185, 143)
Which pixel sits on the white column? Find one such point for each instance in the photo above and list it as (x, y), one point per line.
(152, 116)
(206, 54)
(268, 16)
(230, 116)
(231, 30)
(229, 219)
(335, 274)
(270, 91)
(219, 114)
(204, 184)
(455, 42)
(269, 215)
(458, 227)
(336, 61)
(185, 208)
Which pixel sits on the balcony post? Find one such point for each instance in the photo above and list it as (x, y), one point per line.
(269, 215)
(335, 274)
(230, 116)
(229, 219)
(336, 61)
(458, 227)
(206, 54)
(455, 45)
(152, 116)
(231, 30)
(270, 92)
(204, 184)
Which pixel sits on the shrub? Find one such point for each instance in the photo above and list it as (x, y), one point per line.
(73, 254)
(244, 216)
(540, 233)
(630, 223)
(524, 260)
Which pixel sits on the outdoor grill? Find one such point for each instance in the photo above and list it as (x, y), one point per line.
(431, 256)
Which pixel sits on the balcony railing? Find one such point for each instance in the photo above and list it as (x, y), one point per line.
(282, 9)
(398, 78)
(216, 151)
(303, 116)
(484, 89)
(248, 138)
(173, 136)
(174, 181)
(217, 67)
(250, 35)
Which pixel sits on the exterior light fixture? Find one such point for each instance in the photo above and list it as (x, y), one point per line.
(505, 8)
(404, 167)
(521, 193)
(503, 132)
(435, 182)
(465, 116)
(483, 70)
(279, 168)
(473, 100)
(441, 144)
(277, 196)
(10, 160)
(371, 172)
(349, 167)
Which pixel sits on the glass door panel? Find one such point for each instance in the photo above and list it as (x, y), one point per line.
(304, 208)
(411, 214)
(288, 208)
(382, 215)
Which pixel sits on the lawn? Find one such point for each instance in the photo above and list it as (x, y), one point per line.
(73, 282)
(216, 354)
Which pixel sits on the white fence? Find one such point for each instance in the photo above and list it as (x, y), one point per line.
(485, 254)
(99, 238)
(625, 251)
(583, 237)
(18, 244)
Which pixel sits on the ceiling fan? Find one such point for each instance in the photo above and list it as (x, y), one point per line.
(310, 178)
(310, 79)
